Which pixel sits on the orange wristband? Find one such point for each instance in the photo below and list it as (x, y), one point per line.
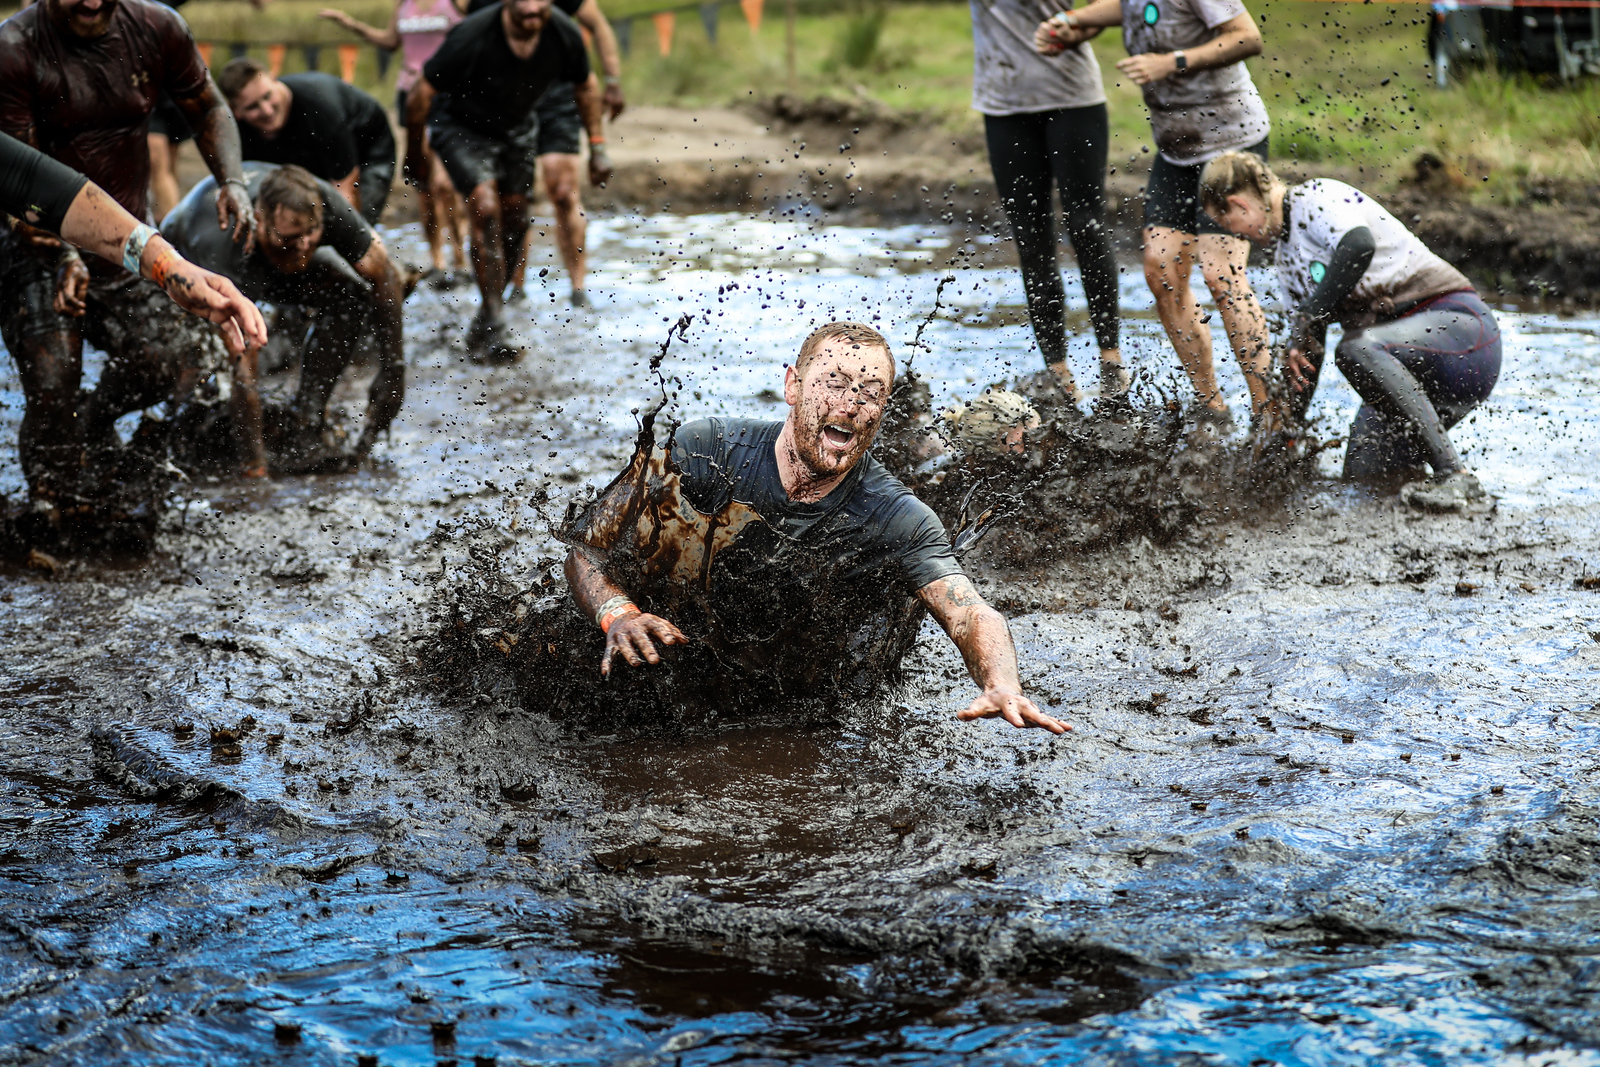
(600, 139)
(616, 613)
(163, 267)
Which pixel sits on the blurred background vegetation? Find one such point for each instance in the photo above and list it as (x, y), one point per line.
(1348, 84)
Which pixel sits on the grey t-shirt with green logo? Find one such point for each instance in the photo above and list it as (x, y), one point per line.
(1199, 115)
(1010, 78)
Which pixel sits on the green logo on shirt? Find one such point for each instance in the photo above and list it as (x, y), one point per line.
(1152, 14)
(1319, 271)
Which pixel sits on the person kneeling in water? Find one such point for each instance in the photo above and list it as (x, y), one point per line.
(1420, 345)
(818, 536)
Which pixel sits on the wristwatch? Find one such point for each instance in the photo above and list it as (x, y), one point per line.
(1181, 60)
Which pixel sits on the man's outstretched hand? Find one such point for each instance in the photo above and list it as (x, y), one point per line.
(1010, 705)
(634, 638)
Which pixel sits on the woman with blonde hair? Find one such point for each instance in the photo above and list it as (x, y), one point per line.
(1420, 346)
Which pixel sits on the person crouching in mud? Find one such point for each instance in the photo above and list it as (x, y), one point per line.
(808, 486)
(1419, 345)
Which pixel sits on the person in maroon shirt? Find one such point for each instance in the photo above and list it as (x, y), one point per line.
(79, 80)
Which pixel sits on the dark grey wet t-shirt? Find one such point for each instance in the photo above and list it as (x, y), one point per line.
(870, 525)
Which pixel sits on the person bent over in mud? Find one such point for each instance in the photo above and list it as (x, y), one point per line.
(310, 248)
(1420, 345)
(805, 537)
(79, 80)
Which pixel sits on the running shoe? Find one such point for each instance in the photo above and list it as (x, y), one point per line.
(580, 299)
(1444, 492)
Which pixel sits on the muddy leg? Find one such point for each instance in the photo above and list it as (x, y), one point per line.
(1168, 257)
(1222, 262)
(50, 439)
(488, 249)
(514, 219)
(560, 170)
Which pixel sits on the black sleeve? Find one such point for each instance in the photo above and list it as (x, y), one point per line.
(698, 452)
(35, 188)
(443, 69)
(1348, 263)
(343, 229)
(327, 124)
(374, 140)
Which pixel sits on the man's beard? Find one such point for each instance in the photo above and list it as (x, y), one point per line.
(827, 463)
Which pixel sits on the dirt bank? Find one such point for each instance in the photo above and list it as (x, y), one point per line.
(859, 162)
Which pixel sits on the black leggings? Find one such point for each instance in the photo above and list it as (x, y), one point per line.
(1418, 375)
(1069, 146)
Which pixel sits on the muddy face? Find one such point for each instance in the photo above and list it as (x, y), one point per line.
(287, 238)
(83, 18)
(836, 409)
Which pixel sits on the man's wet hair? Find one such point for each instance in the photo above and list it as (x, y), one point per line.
(854, 332)
(1232, 173)
(292, 189)
(237, 74)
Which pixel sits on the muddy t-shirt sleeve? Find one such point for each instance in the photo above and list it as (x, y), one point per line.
(34, 187)
(16, 83)
(185, 70)
(343, 230)
(920, 543)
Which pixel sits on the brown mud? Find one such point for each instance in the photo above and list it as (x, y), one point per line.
(1331, 794)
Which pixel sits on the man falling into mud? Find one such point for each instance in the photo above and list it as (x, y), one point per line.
(802, 537)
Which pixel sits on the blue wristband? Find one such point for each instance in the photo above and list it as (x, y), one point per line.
(133, 247)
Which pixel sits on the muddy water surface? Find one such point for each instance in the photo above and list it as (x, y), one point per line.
(1331, 798)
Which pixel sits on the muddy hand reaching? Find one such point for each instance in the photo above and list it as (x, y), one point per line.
(634, 637)
(1010, 705)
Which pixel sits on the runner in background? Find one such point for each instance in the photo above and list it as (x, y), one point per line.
(417, 28)
(488, 77)
(1188, 57)
(1045, 121)
(316, 121)
(560, 148)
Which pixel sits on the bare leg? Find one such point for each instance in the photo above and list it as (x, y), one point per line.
(488, 249)
(560, 172)
(244, 404)
(1222, 262)
(514, 215)
(1168, 257)
(164, 187)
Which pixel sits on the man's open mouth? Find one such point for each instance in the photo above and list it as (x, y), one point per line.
(838, 436)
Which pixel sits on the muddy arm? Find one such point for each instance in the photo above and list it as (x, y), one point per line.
(631, 634)
(388, 389)
(983, 637)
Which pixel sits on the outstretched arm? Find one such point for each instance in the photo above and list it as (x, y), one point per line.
(389, 38)
(388, 388)
(630, 633)
(1067, 29)
(217, 136)
(983, 637)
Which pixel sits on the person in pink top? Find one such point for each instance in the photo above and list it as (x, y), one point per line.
(418, 28)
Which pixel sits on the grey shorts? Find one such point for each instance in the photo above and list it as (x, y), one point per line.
(560, 125)
(472, 158)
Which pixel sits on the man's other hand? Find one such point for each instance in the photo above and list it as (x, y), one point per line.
(634, 638)
(1010, 705)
